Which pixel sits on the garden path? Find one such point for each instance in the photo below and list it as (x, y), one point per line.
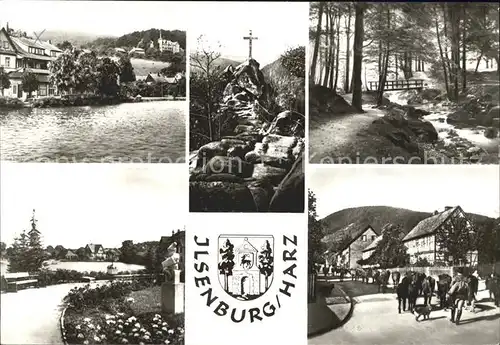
(31, 316)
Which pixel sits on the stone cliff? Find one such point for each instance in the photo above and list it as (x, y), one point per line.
(259, 168)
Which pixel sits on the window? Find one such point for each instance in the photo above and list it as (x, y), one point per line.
(14, 89)
(53, 53)
(5, 45)
(364, 238)
(373, 237)
(7, 61)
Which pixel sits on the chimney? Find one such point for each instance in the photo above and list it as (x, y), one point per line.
(50, 41)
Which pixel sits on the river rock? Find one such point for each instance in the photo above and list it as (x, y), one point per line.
(249, 77)
(243, 129)
(228, 165)
(491, 132)
(289, 196)
(280, 140)
(210, 150)
(273, 174)
(223, 178)
(459, 116)
(423, 129)
(220, 197)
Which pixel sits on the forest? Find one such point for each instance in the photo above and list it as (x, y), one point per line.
(395, 40)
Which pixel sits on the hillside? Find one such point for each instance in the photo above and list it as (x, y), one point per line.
(76, 38)
(141, 39)
(377, 217)
(221, 62)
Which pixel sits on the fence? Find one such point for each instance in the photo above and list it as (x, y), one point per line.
(405, 84)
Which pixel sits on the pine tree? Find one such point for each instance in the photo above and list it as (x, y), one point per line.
(315, 247)
(226, 265)
(454, 239)
(266, 262)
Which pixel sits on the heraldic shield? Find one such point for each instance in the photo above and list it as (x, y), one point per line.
(246, 265)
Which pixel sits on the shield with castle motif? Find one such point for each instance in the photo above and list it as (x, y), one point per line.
(246, 265)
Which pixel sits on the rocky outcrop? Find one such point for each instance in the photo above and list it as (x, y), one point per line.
(259, 167)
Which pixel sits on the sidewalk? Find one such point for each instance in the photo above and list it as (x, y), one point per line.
(329, 312)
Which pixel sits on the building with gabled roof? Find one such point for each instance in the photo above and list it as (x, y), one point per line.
(19, 54)
(421, 240)
(95, 251)
(361, 235)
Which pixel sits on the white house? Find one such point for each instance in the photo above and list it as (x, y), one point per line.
(421, 240)
(19, 54)
(167, 45)
(95, 251)
(361, 236)
(368, 251)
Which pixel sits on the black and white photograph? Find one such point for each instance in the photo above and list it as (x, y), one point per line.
(404, 256)
(403, 83)
(247, 107)
(92, 254)
(93, 82)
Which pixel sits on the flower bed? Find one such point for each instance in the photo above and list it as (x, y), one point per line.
(106, 315)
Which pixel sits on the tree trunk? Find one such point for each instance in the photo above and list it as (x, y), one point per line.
(410, 72)
(442, 59)
(333, 48)
(329, 50)
(478, 61)
(396, 58)
(358, 56)
(464, 50)
(455, 46)
(380, 96)
(348, 52)
(337, 56)
(317, 42)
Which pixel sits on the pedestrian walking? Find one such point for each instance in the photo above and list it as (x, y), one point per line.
(459, 294)
(473, 288)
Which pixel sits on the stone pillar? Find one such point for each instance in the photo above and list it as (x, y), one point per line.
(172, 294)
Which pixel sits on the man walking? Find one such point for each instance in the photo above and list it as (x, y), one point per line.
(459, 294)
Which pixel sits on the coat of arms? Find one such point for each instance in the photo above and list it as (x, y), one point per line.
(246, 265)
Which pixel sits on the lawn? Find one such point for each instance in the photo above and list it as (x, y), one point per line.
(143, 67)
(147, 300)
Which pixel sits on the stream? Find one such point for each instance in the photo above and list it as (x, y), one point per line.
(439, 113)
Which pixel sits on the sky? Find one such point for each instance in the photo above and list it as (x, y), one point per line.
(278, 26)
(104, 204)
(113, 18)
(420, 188)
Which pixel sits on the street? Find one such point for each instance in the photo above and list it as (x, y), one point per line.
(375, 320)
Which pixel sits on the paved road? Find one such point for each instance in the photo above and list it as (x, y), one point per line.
(375, 320)
(31, 316)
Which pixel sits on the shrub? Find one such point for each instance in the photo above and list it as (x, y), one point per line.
(294, 60)
(11, 103)
(491, 132)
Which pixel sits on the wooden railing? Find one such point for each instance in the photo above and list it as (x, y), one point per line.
(392, 85)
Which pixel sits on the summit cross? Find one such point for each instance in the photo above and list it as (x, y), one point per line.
(250, 38)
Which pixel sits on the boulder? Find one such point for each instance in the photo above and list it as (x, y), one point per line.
(288, 123)
(249, 77)
(243, 129)
(273, 174)
(220, 197)
(491, 132)
(228, 165)
(289, 196)
(280, 140)
(423, 129)
(223, 178)
(459, 116)
(262, 191)
(210, 150)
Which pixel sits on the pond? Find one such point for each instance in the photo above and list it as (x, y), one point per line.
(146, 132)
(88, 266)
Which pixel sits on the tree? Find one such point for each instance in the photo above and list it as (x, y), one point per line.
(126, 70)
(358, 55)
(454, 239)
(85, 72)
(266, 262)
(3, 249)
(128, 252)
(18, 258)
(4, 80)
(487, 240)
(62, 71)
(107, 77)
(294, 61)
(66, 45)
(59, 252)
(315, 229)
(82, 254)
(317, 39)
(29, 82)
(226, 263)
(390, 251)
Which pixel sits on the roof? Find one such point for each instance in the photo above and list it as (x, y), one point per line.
(374, 244)
(94, 248)
(429, 225)
(162, 79)
(354, 230)
(42, 78)
(70, 253)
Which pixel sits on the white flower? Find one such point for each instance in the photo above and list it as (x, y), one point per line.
(87, 319)
(137, 325)
(120, 326)
(165, 324)
(120, 321)
(98, 327)
(164, 329)
(148, 334)
(155, 326)
(142, 330)
(97, 339)
(130, 300)
(167, 341)
(80, 336)
(170, 331)
(158, 315)
(107, 316)
(124, 341)
(146, 337)
(120, 314)
(91, 326)
(137, 335)
(78, 327)
(118, 331)
(134, 330)
(85, 342)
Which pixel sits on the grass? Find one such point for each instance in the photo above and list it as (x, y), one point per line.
(143, 67)
(147, 300)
